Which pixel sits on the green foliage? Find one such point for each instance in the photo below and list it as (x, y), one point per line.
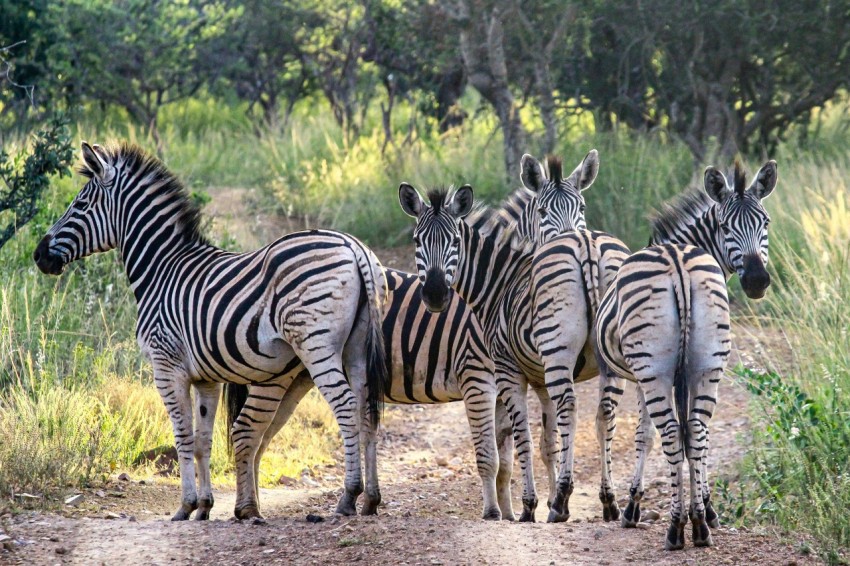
(25, 183)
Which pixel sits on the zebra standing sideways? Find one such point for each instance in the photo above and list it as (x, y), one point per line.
(432, 358)
(208, 316)
(681, 289)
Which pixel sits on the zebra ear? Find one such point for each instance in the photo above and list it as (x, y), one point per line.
(92, 162)
(715, 184)
(461, 203)
(531, 173)
(765, 180)
(587, 170)
(411, 203)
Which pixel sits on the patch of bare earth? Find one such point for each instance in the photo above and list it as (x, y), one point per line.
(431, 508)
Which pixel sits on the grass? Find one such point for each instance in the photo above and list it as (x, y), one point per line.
(73, 383)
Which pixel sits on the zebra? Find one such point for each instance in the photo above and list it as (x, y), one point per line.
(431, 358)
(681, 288)
(207, 316)
(489, 263)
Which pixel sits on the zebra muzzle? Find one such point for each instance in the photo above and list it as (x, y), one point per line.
(47, 261)
(435, 291)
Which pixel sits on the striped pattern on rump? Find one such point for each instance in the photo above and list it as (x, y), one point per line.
(431, 358)
(665, 324)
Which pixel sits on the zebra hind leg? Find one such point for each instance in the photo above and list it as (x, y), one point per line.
(610, 391)
(644, 440)
(206, 404)
(513, 390)
(701, 410)
(548, 441)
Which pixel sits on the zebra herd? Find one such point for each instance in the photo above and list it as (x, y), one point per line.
(538, 301)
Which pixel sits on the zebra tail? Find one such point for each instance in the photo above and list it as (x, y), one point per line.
(235, 395)
(680, 379)
(375, 282)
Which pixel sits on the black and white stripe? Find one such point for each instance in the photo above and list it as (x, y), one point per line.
(431, 358)
(699, 243)
(208, 316)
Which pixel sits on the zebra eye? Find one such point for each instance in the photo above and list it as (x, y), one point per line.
(82, 204)
(542, 212)
(456, 241)
(582, 208)
(417, 241)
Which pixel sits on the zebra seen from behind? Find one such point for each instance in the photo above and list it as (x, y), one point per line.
(665, 324)
(431, 358)
(207, 316)
(730, 222)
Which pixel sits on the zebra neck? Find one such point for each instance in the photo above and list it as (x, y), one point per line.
(488, 266)
(700, 231)
(153, 249)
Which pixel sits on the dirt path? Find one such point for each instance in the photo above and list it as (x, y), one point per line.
(431, 508)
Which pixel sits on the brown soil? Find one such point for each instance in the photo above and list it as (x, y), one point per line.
(430, 513)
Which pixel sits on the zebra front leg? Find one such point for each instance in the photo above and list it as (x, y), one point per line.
(644, 440)
(512, 389)
(505, 446)
(173, 387)
(479, 398)
(325, 368)
(548, 441)
(206, 404)
(247, 434)
(610, 392)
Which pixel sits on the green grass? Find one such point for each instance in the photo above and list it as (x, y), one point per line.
(73, 382)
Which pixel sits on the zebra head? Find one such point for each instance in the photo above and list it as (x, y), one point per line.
(437, 237)
(741, 229)
(560, 205)
(86, 227)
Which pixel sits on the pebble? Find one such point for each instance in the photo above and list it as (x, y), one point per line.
(74, 500)
(124, 476)
(61, 550)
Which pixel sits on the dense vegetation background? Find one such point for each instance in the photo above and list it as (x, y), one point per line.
(325, 105)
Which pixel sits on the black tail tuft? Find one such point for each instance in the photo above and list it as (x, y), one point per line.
(376, 370)
(680, 388)
(235, 396)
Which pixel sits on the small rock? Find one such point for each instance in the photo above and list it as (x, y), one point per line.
(100, 493)
(132, 518)
(7, 542)
(74, 500)
(261, 542)
(61, 550)
(54, 538)
(650, 516)
(287, 481)
(311, 518)
(598, 534)
(111, 515)
(441, 461)
(456, 461)
(142, 482)
(309, 481)
(124, 476)
(643, 526)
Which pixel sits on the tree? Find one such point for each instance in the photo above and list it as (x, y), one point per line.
(24, 184)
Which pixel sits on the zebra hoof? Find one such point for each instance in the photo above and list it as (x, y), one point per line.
(700, 533)
(610, 509)
(557, 517)
(711, 516)
(185, 511)
(493, 514)
(204, 507)
(248, 512)
(370, 504)
(631, 515)
(675, 536)
(529, 506)
(346, 506)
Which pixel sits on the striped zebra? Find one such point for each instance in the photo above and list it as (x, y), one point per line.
(207, 316)
(489, 263)
(681, 288)
(431, 358)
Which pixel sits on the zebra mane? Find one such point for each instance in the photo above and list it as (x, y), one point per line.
(680, 212)
(500, 222)
(556, 168)
(140, 164)
(740, 178)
